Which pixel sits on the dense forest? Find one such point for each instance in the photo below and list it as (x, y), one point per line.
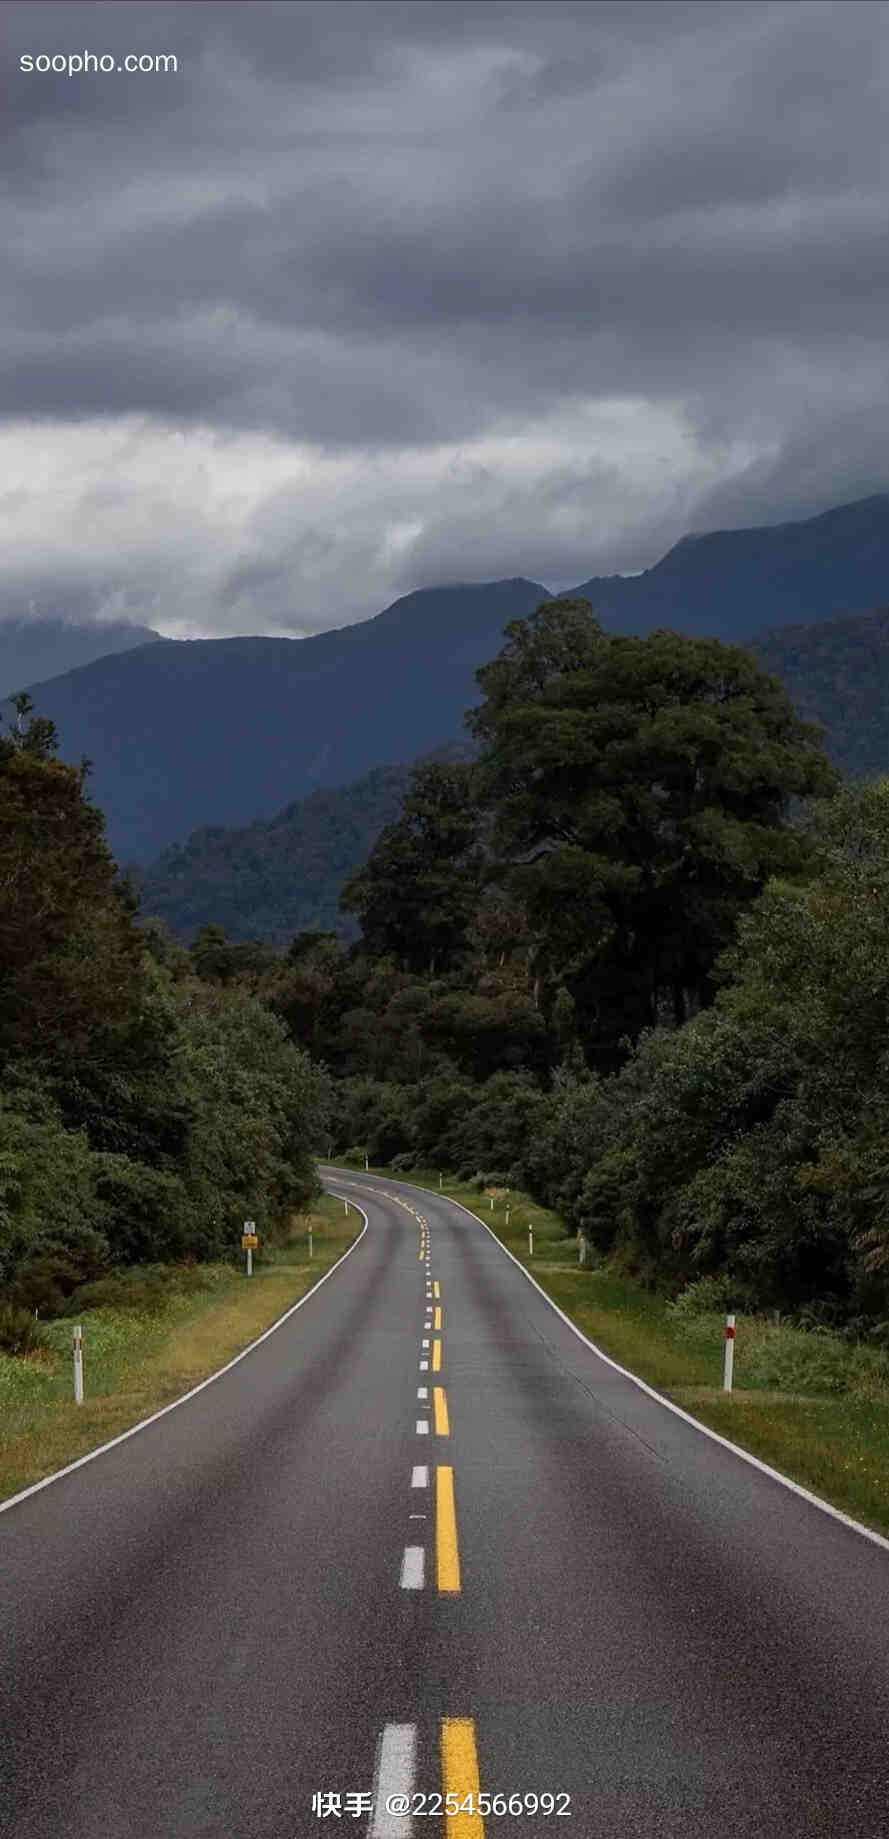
(596, 959)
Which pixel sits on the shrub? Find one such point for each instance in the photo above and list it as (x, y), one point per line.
(718, 1294)
(20, 1333)
(46, 1279)
(146, 1292)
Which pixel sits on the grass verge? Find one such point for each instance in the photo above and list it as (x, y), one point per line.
(806, 1402)
(137, 1360)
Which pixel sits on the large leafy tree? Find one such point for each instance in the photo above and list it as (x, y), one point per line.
(640, 792)
(417, 891)
(74, 990)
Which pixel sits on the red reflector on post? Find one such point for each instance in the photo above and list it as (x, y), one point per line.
(729, 1334)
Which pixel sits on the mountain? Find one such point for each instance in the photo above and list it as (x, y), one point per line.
(273, 879)
(731, 584)
(837, 673)
(226, 731)
(32, 649)
(186, 733)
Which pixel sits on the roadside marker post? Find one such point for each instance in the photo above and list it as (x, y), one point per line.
(530, 1240)
(507, 1216)
(439, 1178)
(310, 1243)
(249, 1239)
(729, 1362)
(366, 1163)
(78, 1364)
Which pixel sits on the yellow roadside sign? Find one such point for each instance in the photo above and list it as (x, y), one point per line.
(250, 1240)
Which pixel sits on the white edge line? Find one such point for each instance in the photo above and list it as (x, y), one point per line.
(144, 1422)
(755, 1462)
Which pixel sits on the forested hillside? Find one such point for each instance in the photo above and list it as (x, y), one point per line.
(273, 879)
(837, 673)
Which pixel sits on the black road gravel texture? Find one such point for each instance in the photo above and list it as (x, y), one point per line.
(251, 1603)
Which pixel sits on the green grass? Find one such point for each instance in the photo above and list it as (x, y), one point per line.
(804, 1401)
(137, 1359)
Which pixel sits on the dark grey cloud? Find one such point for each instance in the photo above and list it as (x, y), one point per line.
(367, 295)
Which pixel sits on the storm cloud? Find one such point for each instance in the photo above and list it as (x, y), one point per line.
(366, 297)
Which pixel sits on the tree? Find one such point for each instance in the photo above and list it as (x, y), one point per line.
(416, 892)
(72, 983)
(640, 791)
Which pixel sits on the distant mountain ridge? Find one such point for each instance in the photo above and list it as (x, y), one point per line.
(187, 733)
(34, 649)
(732, 584)
(228, 731)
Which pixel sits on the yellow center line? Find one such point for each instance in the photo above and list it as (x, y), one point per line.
(459, 1769)
(436, 1287)
(442, 1425)
(437, 1322)
(436, 1356)
(446, 1550)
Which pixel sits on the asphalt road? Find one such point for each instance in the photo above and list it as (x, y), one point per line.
(534, 1580)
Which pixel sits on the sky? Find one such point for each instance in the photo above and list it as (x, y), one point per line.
(366, 297)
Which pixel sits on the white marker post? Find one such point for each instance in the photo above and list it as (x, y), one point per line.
(439, 1178)
(248, 1240)
(366, 1163)
(507, 1216)
(78, 1364)
(728, 1365)
(530, 1240)
(492, 1203)
(310, 1243)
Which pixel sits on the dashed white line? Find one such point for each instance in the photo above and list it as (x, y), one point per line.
(422, 1391)
(394, 1773)
(422, 1427)
(413, 1567)
(425, 1343)
(424, 1366)
(420, 1477)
